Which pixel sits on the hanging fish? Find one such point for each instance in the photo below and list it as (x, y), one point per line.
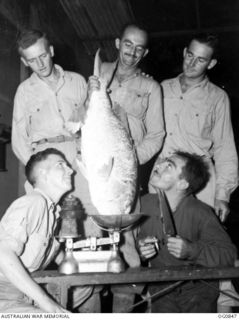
(108, 155)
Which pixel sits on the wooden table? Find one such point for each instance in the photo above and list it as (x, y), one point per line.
(59, 284)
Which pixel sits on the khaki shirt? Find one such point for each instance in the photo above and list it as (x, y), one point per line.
(198, 121)
(40, 112)
(141, 98)
(28, 228)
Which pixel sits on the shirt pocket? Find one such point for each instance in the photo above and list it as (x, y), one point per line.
(38, 116)
(135, 103)
(197, 122)
(73, 109)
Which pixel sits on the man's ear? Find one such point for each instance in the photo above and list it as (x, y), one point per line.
(117, 43)
(24, 61)
(41, 174)
(184, 52)
(146, 52)
(212, 64)
(182, 185)
(51, 51)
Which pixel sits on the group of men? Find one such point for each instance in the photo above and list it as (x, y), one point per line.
(187, 122)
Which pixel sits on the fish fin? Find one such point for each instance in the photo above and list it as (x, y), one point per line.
(121, 115)
(106, 169)
(97, 64)
(82, 168)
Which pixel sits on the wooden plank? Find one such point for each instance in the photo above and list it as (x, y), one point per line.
(136, 275)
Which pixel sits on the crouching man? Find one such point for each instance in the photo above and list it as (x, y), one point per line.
(27, 240)
(197, 237)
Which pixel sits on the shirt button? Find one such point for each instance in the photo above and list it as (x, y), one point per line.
(181, 98)
(170, 133)
(59, 110)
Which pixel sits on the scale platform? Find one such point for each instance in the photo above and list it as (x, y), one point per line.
(93, 261)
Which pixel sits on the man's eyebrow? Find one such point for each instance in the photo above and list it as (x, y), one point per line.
(171, 161)
(199, 57)
(138, 45)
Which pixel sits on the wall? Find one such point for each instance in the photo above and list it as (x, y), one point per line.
(9, 79)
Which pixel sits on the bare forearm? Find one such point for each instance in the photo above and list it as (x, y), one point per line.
(14, 271)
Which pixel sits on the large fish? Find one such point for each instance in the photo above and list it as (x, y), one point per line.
(108, 155)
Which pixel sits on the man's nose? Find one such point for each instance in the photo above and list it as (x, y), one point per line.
(193, 62)
(133, 50)
(40, 63)
(69, 170)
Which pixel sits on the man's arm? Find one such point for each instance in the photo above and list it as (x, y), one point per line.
(20, 139)
(12, 268)
(213, 248)
(154, 123)
(225, 156)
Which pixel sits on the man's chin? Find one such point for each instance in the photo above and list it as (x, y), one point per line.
(154, 184)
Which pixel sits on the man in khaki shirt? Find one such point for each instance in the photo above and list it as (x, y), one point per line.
(197, 120)
(27, 242)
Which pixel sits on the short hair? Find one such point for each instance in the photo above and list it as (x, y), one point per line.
(29, 37)
(137, 26)
(37, 158)
(211, 40)
(195, 171)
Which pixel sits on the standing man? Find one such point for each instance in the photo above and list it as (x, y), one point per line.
(196, 239)
(27, 242)
(197, 120)
(139, 96)
(45, 101)
(43, 106)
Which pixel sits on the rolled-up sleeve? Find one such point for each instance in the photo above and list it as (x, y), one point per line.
(225, 154)
(154, 124)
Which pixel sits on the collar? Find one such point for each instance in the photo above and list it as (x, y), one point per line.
(50, 203)
(34, 79)
(184, 201)
(135, 74)
(200, 84)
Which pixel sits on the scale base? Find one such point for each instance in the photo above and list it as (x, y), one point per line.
(98, 261)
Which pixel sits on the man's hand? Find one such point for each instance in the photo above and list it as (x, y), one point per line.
(51, 306)
(146, 75)
(222, 209)
(93, 84)
(178, 247)
(73, 127)
(147, 248)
